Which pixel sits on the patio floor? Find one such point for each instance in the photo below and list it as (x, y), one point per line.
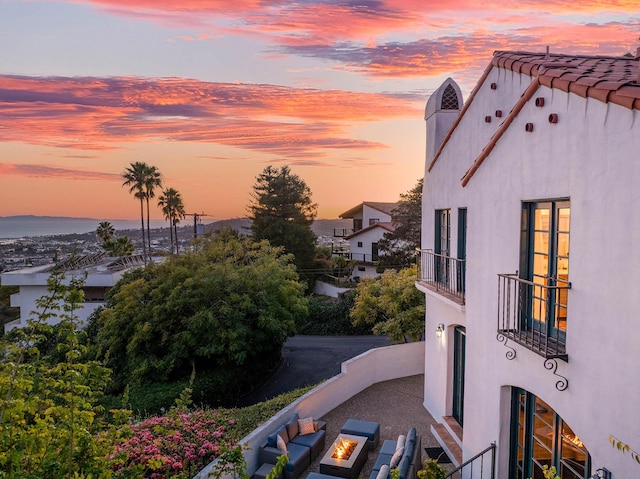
(396, 405)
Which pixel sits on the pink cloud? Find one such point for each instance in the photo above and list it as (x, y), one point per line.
(101, 113)
(50, 172)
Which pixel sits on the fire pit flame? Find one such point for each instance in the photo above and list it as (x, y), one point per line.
(343, 449)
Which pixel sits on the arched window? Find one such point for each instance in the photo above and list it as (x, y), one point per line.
(449, 99)
(540, 437)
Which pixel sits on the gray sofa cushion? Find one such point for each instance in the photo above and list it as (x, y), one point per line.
(299, 460)
(314, 441)
(404, 466)
(292, 426)
(271, 438)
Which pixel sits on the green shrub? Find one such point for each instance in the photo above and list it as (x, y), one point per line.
(330, 317)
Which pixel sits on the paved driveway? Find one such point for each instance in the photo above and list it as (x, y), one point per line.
(308, 360)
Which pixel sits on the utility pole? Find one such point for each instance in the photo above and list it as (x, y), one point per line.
(196, 217)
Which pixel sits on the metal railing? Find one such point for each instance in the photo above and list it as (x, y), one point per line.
(477, 464)
(534, 313)
(443, 273)
(342, 232)
(359, 257)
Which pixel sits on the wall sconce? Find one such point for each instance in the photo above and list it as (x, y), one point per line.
(602, 473)
(439, 330)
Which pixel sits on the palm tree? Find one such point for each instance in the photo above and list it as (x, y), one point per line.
(173, 209)
(164, 202)
(135, 178)
(122, 246)
(179, 214)
(152, 180)
(105, 231)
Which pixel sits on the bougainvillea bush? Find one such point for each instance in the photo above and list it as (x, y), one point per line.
(177, 445)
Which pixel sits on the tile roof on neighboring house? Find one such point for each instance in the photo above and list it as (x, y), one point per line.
(376, 205)
(384, 225)
(606, 79)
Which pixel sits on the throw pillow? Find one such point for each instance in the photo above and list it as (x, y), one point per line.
(281, 444)
(401, 440)
(383, 472)
(395, 459)
(306, 426)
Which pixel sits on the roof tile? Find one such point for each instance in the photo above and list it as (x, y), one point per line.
(613, 79)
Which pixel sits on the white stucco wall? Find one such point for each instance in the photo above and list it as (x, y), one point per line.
(33, 286)
(591, 157)
(369, 213)
(367, 238)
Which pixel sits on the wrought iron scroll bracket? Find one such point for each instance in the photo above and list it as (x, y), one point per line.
(511, 354)
(552, 365)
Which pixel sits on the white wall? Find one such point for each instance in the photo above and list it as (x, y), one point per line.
(357, 374)
(369, 213)
(367, 238)
(590, 156)
(326, 289)
(33, 286)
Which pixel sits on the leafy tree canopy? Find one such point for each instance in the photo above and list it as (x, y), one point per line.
(398, 247)
(392, 304)
(231, 304)
(282, 212)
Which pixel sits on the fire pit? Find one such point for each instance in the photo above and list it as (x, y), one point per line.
(343, 448)
(346, 457)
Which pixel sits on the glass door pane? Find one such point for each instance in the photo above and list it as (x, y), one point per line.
(458, 373)
(561, 272)
(540, 266)
(573, 456)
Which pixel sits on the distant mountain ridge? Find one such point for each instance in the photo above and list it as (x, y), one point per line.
(31, 225)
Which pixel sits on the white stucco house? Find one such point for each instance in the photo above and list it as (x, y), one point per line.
(371, 220)
(530, 267)
(100, 271)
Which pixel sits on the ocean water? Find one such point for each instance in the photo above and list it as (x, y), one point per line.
(33, 226)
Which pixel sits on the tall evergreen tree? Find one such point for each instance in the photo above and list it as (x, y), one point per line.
(282, 212)
(398, 247)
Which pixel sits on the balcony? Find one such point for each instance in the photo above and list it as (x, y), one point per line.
(534, 314)
(443, 274)
(364, 258)
(342, 232)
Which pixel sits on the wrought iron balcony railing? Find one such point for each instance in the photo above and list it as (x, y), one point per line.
(443, 274)
(534, 314)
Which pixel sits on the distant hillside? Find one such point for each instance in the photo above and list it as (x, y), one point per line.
(321, 227)
(35, 226)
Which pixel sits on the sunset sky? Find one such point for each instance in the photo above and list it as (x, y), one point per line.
(213, 91)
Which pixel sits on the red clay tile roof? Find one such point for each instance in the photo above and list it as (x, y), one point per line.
(606, 79)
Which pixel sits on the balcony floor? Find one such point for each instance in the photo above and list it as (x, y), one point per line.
(396, 405)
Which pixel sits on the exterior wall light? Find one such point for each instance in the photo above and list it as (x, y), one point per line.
(602, 473)
(439, 330)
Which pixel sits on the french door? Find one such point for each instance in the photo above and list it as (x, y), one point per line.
(545, 265)
(442, 246)
(459, 342)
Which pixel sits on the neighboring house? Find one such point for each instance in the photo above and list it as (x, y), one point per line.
(371, 220)
(100, 271)
(530, 266)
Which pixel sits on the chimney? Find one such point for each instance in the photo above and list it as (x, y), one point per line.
(638, 58)
(547, 56)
